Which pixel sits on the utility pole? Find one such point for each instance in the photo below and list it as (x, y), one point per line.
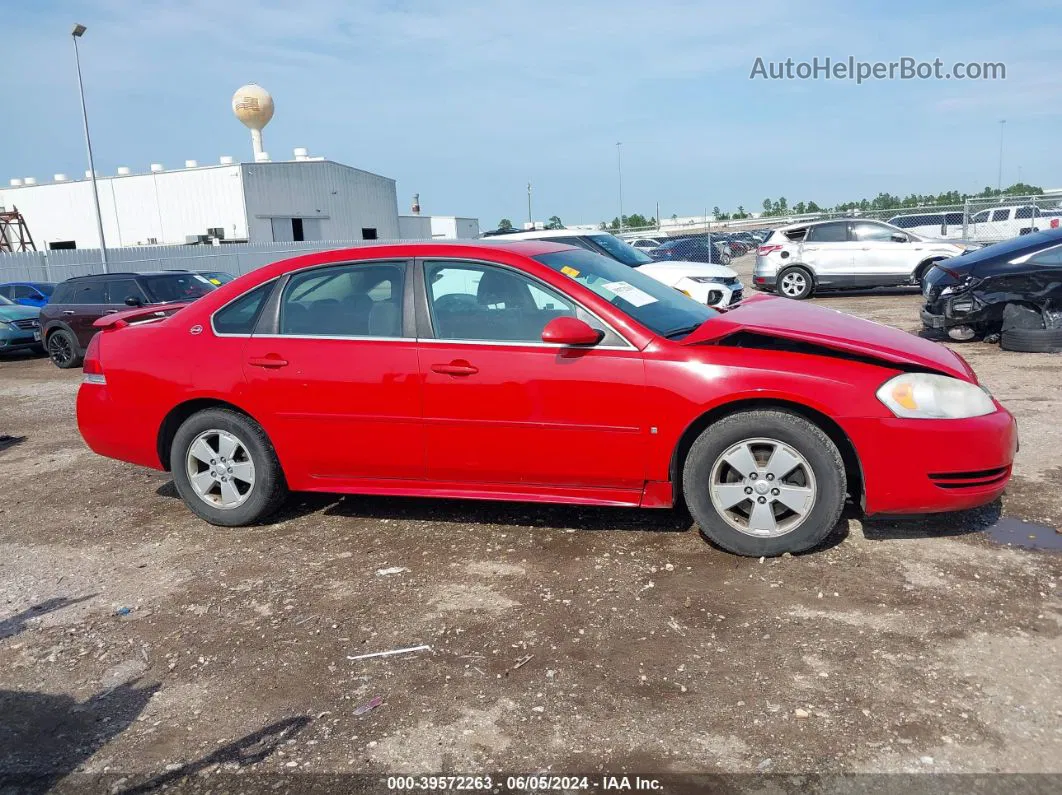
(530, 218)
(999, 180)
(619, 170)
(77, 33)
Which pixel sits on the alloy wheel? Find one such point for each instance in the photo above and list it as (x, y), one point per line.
(794, 284)
(220, 469)
(60, 349)
(763, 487)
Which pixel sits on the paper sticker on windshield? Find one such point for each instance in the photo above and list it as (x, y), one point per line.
(567, 270)
(629, 293)
(216, 281)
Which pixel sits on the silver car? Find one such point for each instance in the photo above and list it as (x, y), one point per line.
(797, 260)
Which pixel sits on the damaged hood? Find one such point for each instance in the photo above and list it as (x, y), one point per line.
(795, 320)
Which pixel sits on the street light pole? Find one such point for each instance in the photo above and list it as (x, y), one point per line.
(619, 170)
(77, 33)
(530, 218)
(999, 180)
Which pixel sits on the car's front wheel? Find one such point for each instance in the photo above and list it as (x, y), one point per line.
(63, 349)
(225, 468)
(764, 483)
(796, 282)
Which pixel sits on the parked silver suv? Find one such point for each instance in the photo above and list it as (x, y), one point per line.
(797, 260)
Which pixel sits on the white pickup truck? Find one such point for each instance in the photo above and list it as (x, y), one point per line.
(1002, 223)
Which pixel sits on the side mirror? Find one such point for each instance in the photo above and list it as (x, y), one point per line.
(132, 301)
(899, 237)
(571, 331)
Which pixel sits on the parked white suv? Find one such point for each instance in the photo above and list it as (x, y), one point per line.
(714, 285)
(797, 260)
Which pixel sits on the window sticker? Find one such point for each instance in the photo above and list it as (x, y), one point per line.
(629, 293)
(569, 271)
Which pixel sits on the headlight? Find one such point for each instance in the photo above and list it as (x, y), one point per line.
(708, 279)
(934, 397)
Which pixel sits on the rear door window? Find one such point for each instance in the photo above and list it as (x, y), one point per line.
(362, 300)
(833, 232)
(90, 292)
(1000, 215)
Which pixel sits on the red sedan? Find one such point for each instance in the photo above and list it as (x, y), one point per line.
(540, 372)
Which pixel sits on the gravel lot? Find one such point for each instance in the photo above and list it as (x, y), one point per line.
(562, 639)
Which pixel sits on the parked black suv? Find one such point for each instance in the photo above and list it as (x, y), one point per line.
(77, 303)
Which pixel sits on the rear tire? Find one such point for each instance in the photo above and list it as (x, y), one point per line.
(259, 487)
(63, 350)
(795, 282)
(814, 484)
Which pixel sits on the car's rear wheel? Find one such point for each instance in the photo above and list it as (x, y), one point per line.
(225, 468)
(63, 349)
(764, 483)
(796, 282)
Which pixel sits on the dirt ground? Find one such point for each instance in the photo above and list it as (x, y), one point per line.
(140, 647)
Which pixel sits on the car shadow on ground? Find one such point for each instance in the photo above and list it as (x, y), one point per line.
(868, 292)
(932, 525)
(17, 623)
(577, 517)
(44, 737)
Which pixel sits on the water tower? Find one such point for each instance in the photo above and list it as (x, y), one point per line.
(253, 105)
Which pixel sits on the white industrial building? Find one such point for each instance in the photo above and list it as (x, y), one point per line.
(268, 201)
(261, 201)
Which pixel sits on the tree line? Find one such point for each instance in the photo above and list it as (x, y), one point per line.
(772, 208)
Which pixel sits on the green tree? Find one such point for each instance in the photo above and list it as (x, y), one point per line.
(505, 225)
(813, 208)
(554, 222)
(768, 207)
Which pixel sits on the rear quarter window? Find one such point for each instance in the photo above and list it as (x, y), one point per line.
(241, 316)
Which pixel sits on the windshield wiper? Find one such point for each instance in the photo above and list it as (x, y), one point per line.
(684, 330)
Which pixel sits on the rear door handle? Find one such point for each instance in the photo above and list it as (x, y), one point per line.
(111, 312)
(68, 311)
(270, 361)
(458, 367)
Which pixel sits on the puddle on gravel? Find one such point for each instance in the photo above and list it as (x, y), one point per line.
(1029, 535)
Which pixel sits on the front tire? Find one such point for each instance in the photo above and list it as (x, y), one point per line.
(796, 283)
(762, 483)
(63, 350)
(225, 468)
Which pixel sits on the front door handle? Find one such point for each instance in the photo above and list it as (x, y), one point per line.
(270, 361)
(456, 367)
(68, 311)
(111, 312)
(866, 248)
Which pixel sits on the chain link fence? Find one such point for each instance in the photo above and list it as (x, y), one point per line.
(980, 220)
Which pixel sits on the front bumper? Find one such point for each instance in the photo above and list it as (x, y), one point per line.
(19, 340)
(954, 310)
(715, 294)
(930, 466)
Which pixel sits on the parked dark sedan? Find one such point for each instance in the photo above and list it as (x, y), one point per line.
(693, 249)
(77, 303)
(1013, 288)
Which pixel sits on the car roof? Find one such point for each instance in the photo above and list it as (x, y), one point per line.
(535, 234)
(112, 274)
(24, 283)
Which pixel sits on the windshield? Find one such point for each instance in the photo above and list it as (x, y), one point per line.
(177, 287)
(661, 309)
(6, 302)
(45, 288)
(1013, 248)
(620, 251)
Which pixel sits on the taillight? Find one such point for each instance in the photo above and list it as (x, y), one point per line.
(763, 251)
(1054, 223)
(93, 368)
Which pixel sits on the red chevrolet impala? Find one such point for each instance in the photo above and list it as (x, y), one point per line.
(540, 372)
